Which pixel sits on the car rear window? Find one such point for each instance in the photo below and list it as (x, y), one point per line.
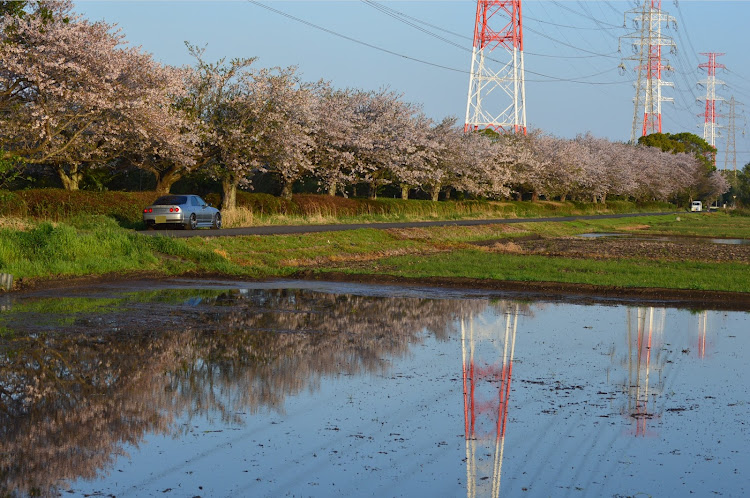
(170, 199)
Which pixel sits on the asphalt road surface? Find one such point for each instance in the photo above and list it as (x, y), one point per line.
(299, 229)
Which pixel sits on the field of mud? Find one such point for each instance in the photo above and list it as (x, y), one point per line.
(639, 247)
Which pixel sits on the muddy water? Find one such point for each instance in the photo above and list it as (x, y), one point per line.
(731, 242)
(232, 389)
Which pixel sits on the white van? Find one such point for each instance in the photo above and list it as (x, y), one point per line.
(696, 206)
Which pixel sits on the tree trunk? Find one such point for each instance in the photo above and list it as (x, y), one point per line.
(534, 196)
(404, 191)
(435, 193)
(165, 179)
(448, 194)
(519, 196)
(332, 189)
(604, 198)
(229, 194)
(594, 199)
(373, 192)
(286, 189)
(70, 180)
(563, 197)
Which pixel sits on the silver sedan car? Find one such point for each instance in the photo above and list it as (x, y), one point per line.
(189, 211)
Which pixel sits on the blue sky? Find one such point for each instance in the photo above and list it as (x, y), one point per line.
(571, 53)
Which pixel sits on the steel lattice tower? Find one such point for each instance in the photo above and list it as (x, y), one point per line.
(710, 127)
(648, 42)
(497, 94)
(732, 134)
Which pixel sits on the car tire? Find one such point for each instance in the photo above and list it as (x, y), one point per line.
(216, 223)
(192, 222)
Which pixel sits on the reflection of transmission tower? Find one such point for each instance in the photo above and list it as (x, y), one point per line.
(497, 94)
(710, 128)
(486, 396)
(732, 134)
(647, 43)
(702, 333)
(644, 330)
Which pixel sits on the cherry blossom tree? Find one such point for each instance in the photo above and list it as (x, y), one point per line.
(420, 152)
(73, 95)
(220, 100)
(383, 127)
(283, 109)
(334, 143)
(482, 165)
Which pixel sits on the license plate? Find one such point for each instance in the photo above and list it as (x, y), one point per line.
(160, 219)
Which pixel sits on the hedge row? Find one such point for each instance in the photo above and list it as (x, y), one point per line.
(58, 204)
(126, 207)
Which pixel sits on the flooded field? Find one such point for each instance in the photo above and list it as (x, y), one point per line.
(195, 388)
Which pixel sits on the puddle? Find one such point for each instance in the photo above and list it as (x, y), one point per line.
(731, 241)
(596, 235)
(306, 388)
(664, 238)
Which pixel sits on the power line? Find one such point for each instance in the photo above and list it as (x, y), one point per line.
(609, 55)
(585, 16)
(407, 19)
(547, 77)
(354, 40)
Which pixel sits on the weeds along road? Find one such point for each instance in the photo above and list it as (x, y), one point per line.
(300, 229)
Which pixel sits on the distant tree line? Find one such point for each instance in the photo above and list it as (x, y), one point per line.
(75, 99)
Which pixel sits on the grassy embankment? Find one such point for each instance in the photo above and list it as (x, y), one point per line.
(447, 252)
(86, 245)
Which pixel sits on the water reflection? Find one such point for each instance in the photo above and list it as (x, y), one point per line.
(72, 396)
(487, 371)
(645, 363)
(549, 394)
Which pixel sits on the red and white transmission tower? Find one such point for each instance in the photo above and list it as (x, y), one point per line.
(710, 127)
(497, 94)
(647, 43)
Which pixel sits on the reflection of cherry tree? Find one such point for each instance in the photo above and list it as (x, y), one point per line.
(72, 399)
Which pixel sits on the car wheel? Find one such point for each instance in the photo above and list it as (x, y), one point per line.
(192, 222)
(217, 221)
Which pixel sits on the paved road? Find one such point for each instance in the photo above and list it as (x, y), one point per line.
(298, 229)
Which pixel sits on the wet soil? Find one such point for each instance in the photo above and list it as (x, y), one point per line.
(674, 249)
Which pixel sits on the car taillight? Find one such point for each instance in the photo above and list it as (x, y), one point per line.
(174, 210)
(147, 210)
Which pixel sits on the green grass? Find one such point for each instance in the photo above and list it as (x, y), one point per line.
(96, 245)
(618, 273)
(282, 255)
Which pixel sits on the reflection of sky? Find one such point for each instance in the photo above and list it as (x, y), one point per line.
(402, 432)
